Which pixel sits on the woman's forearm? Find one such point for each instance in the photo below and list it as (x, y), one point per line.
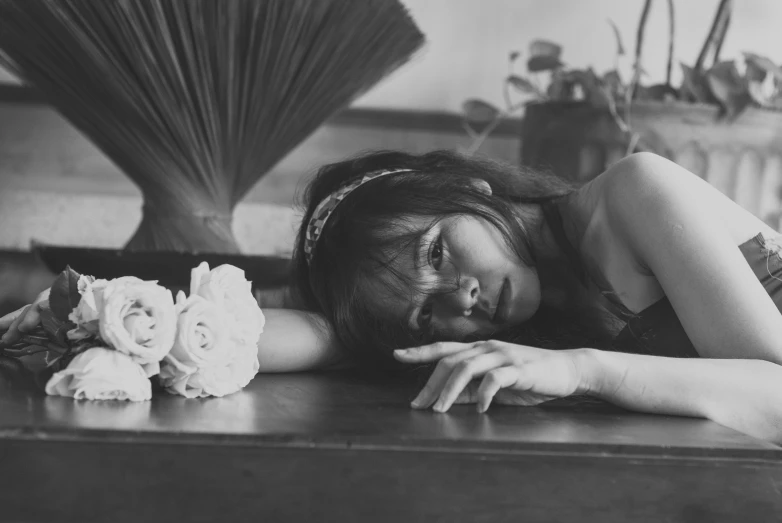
(295, 341)
(742, 394)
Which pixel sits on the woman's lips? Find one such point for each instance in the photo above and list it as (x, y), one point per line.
(502, 308)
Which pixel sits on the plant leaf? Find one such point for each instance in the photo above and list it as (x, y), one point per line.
(590, 85)
(544, 56)
(728, 87)
(755, 73)
(757, 61)
(695, 87)
(620, 48)
(537, 64)
(479, 112)
(513, 56)
(64, 295)
(765, 95)
(758, 95)
(545, 48)
(523, 85)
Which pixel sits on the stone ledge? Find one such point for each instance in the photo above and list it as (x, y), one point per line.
(108, 221)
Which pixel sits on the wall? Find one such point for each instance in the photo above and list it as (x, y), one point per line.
(469, 40)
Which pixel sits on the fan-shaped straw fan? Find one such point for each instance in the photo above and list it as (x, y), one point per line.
(196, 99)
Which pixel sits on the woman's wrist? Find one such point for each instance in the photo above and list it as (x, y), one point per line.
(590, 371)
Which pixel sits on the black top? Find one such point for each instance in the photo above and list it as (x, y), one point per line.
(657, 329)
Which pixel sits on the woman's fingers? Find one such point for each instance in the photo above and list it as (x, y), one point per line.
(468, 395)
(13, 334)
(32, 317)
(23, 320)
(463, 373)
(434, 385)
(494, 381)
(433, 352)
(7, 320)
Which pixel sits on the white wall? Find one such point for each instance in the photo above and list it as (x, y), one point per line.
(468, 42)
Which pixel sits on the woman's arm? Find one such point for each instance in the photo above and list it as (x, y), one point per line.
(745, 395)
(294, 341)
(668, 218)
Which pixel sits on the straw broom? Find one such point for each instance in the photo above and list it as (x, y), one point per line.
(196, 99)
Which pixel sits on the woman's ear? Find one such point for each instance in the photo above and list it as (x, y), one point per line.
(482, 185)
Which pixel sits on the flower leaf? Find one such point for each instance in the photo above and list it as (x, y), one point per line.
(55, 328)
(64, 295)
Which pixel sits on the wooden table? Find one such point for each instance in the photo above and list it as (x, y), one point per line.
(342, 447)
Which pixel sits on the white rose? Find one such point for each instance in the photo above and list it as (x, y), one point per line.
(101, 374)
(206, 360)
(226, 287)
(214, 380)
(134, 316)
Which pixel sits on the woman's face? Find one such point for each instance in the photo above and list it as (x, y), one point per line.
(469, 281)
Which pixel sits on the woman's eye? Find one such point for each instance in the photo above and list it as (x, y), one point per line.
(436, 253)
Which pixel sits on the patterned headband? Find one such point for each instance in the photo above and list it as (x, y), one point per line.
(327, 206)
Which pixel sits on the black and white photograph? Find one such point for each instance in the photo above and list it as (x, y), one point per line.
(390, 261)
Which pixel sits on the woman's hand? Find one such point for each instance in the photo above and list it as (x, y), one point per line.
(16, 324)
(509, 374)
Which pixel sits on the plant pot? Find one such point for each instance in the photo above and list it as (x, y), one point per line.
(742, 158)
(170, 269)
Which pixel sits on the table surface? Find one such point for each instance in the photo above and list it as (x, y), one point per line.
(350, 410)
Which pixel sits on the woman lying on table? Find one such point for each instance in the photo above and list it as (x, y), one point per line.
(645, 287)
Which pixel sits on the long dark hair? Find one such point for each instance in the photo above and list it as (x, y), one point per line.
(365, 228)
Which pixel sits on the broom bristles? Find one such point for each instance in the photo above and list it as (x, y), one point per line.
(196, 99)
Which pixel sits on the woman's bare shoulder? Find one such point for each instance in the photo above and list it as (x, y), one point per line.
(645, 183)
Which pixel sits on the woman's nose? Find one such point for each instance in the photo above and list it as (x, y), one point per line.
(465, 297)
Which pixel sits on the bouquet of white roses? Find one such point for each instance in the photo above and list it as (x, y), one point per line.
(105, 339)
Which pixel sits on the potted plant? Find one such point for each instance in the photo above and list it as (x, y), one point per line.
(724, 122)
